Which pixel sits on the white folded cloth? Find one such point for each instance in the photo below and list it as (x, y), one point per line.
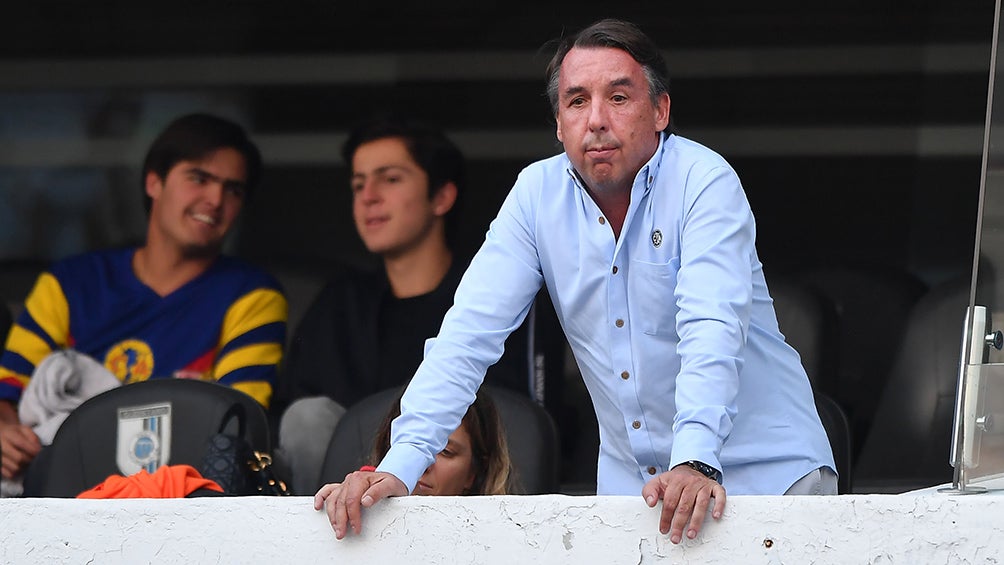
(61, 382)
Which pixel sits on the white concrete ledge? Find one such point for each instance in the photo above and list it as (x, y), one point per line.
(929, 528)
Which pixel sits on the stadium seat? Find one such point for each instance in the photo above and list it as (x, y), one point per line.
(530, 433)
(909, 444)
(118, 431)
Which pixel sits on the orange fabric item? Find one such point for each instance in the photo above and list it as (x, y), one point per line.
(169, 481)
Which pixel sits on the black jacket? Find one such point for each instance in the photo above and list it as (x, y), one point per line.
(335, 350)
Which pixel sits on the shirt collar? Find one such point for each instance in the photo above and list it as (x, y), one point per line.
(650, 170)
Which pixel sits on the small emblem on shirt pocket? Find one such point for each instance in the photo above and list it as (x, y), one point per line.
(657, 238)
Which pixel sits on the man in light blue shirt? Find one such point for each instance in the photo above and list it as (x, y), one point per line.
(646, 243)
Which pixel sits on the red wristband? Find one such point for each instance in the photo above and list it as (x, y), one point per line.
(369, 468)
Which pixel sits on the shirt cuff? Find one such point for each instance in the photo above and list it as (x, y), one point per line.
(695, 444)
(406, 463)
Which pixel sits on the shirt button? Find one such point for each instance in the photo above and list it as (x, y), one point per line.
(636, 424)
(651, 470)
(619, 323)
(625, 375)
(602, 220)
(614, 269)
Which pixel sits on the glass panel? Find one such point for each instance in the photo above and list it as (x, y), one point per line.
(978, 450)
(982, 453)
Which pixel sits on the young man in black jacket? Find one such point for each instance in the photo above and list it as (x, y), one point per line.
(366, 331)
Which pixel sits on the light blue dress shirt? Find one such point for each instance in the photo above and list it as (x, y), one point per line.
(671, 325)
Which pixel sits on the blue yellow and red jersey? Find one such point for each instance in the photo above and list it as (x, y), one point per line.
(226, 325)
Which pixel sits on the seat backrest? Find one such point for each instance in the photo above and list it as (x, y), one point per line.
(301, 285)
(530, 434)
(128, 423)
(838, 431)
(808, 321)
(353, 438)
(909, 443)
(872, 305)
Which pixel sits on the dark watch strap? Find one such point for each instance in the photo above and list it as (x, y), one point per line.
(705, 469)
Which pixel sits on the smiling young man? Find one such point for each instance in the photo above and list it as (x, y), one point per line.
(174, 307)
(367, 330)
(646, 243)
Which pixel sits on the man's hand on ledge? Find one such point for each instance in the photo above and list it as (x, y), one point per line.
(685, 495)
(344, 501)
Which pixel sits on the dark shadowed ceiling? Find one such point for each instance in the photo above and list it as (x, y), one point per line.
(855, 126)
(102, 28)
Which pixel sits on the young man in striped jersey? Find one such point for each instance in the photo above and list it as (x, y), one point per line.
(174, 307)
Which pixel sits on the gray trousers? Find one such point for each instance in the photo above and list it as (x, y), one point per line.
(305, 430)
(821, 481)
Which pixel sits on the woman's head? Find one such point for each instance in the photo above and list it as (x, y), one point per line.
(474, 461)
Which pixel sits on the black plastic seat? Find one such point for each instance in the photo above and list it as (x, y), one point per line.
(872, 305)
(530, 433)
(838, 431)
(85, 449)
(909, 444)
(808, 321)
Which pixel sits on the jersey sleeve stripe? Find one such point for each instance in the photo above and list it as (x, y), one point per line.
(269, 333)
(255, 309)
(259, 390)
(48, 307)
(258, 354)
(28, 345)
(11, 385)
(13, 363)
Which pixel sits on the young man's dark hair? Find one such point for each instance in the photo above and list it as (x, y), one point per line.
(441, 160)
(617, 34)
(193, 137)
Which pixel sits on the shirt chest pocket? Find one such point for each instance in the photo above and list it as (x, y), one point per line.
(652, 292)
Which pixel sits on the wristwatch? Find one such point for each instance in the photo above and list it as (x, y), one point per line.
(705, 469)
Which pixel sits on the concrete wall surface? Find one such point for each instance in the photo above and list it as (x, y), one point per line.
(510, 530)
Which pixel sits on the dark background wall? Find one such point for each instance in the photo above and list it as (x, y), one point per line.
(856, 127)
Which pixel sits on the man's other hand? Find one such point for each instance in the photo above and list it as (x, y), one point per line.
(686, 495)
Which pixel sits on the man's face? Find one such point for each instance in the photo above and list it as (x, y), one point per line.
(606, 119)
(390, 198)
(195, 205)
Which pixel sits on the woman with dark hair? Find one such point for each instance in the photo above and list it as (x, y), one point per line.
(474, 461)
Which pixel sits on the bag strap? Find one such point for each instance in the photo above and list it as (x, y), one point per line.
(237, 411)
